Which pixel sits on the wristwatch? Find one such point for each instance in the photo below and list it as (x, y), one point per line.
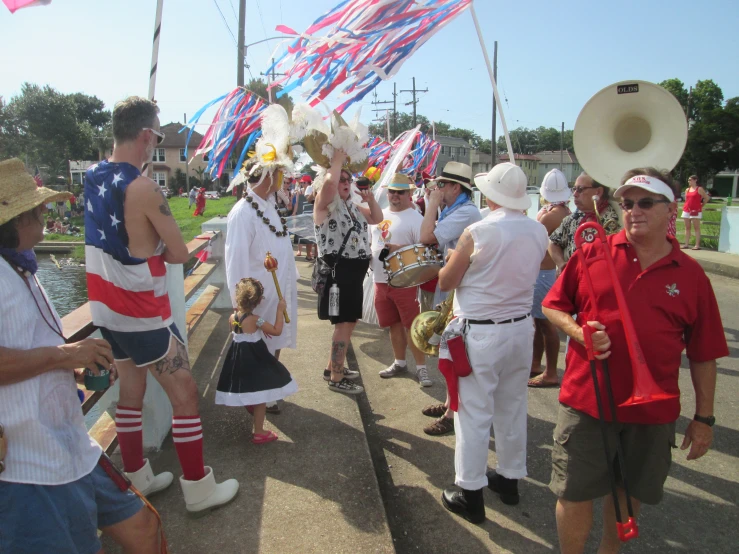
(710, 420)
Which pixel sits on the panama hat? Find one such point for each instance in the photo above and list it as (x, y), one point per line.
(554, 187)
(401, 182)
(456, 172)
(505, 185)
(19, 192)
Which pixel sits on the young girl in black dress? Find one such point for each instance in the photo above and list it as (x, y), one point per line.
(251, 376)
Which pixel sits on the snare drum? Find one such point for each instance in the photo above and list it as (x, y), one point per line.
(412, 265)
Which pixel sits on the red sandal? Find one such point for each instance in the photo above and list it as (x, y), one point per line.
(264, 438)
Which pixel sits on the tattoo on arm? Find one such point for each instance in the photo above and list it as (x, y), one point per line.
(173, 363)
(164, 206)
(338, 354)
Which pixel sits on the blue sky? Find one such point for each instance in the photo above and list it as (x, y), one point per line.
(552, 55)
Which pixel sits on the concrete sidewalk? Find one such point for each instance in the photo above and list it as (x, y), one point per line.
(314, 490)
(720, 263)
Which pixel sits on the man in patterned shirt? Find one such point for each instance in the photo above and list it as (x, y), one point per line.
(562, 240)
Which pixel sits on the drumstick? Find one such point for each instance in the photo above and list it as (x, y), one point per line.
(270, 264)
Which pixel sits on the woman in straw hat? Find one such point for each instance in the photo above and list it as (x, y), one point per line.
(51, 462)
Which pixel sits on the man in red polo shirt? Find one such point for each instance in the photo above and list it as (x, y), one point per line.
(673, 308)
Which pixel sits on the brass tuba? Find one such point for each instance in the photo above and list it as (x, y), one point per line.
(427, 327)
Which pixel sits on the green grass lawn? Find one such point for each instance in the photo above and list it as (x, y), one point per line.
(188, 223)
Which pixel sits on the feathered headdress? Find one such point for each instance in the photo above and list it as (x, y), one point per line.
(272, 151)
(322, 140)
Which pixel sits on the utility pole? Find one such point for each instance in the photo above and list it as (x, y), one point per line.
(395, 110)
(494, 145)
(561, 146)
(414, 101)
(187, 165)
(240, 55)
(271, 78)
(377, 102)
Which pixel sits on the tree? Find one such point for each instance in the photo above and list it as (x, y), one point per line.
(531, 141)
(731, 132)
(259, 87)
(677, 88)
(713, 130)
(178, 182)
(47, 128)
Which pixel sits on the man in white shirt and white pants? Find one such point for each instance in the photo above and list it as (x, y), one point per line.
(493, 269)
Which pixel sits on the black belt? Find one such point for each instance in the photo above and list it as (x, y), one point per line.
(491, 322)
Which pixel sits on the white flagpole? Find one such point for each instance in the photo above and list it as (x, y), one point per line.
(155, 50)
(495, 85)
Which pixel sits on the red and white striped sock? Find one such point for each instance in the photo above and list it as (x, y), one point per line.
(187, 433)
(130, 437)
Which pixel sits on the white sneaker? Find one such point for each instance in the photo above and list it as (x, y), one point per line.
(206, 493)
(393, 370)
(423, 377)
(147, 483)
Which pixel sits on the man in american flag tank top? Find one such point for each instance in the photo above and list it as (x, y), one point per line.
(129, 235)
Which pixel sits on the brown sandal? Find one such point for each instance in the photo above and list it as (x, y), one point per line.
(434, 410)
(441, 426)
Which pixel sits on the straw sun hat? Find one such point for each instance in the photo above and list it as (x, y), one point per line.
(19, 192)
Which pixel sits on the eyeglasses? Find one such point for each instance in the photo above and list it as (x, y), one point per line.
(442, 184)
(158, 134)
(344, 180)
(398, 192)
(578, 190)
(646, 203)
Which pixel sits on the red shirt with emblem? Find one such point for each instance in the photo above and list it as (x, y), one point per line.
(673, 308)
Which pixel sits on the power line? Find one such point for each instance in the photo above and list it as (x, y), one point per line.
(233, 9)
(261, 20)
(225, 22)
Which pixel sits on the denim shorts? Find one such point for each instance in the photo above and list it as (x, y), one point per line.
(544, 283)
(63, 519)
(143, 347)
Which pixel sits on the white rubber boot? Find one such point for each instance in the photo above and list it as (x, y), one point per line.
(206, 493)
(147, 483)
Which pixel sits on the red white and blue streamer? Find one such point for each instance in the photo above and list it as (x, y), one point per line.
(358, 44)
(422, 156)
(238, 118)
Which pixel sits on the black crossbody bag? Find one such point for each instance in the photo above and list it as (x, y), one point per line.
(321, 270)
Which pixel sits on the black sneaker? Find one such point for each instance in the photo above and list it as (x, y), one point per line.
(348, 374)
(506, 488)
(346, 386)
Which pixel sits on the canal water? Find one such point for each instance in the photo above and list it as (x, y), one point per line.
(66, 287)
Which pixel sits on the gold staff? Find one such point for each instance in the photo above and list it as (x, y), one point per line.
(270, 264)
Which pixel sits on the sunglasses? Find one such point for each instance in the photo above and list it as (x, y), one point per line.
(578, 190)
(344, 180)
(398, 192)
(158, 134)
(643, 203)
(442, 184)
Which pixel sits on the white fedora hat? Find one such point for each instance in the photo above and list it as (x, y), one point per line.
(505, 185)
(458, 173)
(554, 187)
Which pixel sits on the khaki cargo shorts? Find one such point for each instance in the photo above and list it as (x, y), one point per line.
(579, 469)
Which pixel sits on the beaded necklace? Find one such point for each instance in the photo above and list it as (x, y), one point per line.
(265, 219)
